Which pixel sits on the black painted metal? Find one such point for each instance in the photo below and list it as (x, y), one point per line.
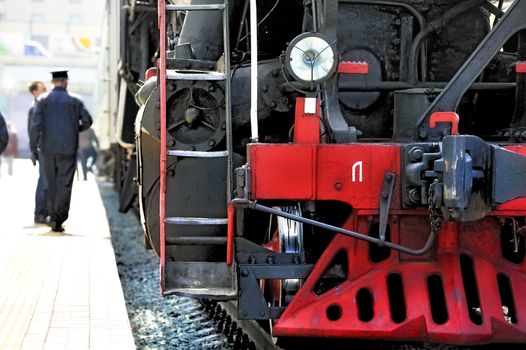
(243, 203)
(449, 99)
(385, 203)
(471, 176)
(257, 263)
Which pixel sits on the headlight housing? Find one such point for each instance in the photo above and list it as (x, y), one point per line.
(310, 58)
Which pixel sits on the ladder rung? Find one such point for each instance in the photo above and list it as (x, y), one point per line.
(198, 154)
(191, 240)
(209, 7)
(173, 75)
(194, 221)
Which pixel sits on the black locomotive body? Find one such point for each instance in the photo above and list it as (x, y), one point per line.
(317, 223)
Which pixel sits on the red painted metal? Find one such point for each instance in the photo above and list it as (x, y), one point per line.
(349, 173)
(350, 67)
(230, 236)
(307, 313)
(520, 67)
(445, 117)
(306, 126)
(161, 9)
(353, 174)
(272, 288)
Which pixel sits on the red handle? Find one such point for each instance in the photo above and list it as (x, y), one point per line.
(445, 117)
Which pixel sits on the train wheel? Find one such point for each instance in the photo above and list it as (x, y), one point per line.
(287, 238)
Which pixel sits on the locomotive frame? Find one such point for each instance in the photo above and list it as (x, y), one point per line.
(388, 189)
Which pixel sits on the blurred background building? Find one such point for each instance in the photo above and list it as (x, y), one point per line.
(37, 36)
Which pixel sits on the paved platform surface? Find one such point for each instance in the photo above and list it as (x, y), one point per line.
(58, 290)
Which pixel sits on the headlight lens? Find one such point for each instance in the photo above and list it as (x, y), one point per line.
(310, 58)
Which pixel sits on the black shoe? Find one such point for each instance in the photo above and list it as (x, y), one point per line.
(40, 219)
(56, 227)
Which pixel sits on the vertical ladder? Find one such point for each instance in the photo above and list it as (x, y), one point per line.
(196, 270)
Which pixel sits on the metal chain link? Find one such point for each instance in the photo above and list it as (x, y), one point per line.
(435, 220)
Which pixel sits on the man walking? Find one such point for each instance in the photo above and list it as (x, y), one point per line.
(37, 88)
(59, 116)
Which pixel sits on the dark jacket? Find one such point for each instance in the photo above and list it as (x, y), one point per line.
(12, 146)
(57, 120)
(30, 115)
(4, 136)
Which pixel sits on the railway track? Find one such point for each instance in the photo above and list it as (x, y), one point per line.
(170, 322)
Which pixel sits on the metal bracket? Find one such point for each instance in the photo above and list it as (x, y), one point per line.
(385, 203)
(256, 263)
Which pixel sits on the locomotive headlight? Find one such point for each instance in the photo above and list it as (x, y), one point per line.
(310, 58)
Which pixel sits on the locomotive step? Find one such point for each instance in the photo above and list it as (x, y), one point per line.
(200, 279)
(209, 7)
(197, 154)
(190, 240)
(181, 220)
(174, 75)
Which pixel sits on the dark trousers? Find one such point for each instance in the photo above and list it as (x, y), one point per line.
(60, 169)
(41, 192)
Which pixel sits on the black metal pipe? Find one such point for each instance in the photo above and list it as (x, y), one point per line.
(244, 203)
(402, 85)
(395, 85)
(431, 27)
(519, 116)
(413, 11)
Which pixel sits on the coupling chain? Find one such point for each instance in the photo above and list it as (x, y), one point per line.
(435, 220)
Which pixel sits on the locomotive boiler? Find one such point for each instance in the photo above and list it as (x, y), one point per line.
(347, 169)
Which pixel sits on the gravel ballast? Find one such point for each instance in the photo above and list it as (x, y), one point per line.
(157, 322)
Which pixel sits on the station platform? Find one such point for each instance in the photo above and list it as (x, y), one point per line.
(58, 290)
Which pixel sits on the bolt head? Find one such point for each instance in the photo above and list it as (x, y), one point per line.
(416, 154)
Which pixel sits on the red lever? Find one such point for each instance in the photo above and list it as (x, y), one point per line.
(445, 117)
(350, 67)
(520, 67)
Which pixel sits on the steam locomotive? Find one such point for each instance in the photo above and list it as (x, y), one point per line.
(346, 169)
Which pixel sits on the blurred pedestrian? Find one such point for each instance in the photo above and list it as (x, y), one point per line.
(59, 116)
(4, 135)
(37, 88)
(87, 154)
(11, 150)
